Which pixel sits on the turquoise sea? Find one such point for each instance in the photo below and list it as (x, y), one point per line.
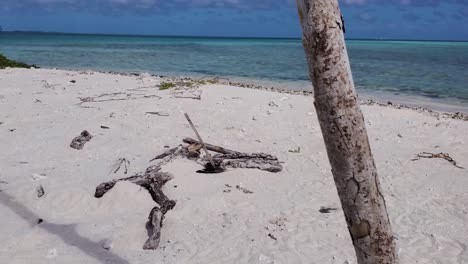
(437, 71)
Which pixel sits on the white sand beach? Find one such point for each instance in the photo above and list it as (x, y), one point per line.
(278, 218)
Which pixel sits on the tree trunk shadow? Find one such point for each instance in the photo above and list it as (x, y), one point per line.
(67, 232)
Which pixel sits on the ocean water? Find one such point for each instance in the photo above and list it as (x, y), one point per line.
(436, 71)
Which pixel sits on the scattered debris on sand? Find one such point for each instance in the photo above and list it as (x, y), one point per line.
(227, 189)
(270, 235)
(188, 89)
(327, 210)
(273, 104)
(276, 225)
(40, 191)
(37, 177)
(107, 244)
(243, 189)
(79, 141)
(298, 150)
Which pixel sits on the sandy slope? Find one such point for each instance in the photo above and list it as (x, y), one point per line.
(427, 199)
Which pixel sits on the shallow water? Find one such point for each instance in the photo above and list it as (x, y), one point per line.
(437, 71)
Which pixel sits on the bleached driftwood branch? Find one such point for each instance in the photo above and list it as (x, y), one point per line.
(152, 180)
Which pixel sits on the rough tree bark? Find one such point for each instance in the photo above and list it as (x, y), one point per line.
(344, 132)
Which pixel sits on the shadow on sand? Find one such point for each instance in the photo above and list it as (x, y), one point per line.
(66, 232)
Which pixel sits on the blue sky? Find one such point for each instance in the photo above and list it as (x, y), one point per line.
(388, 19)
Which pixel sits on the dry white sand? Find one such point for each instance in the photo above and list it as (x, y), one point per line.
(39, 115)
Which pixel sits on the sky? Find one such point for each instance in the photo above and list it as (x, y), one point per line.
(369, 19)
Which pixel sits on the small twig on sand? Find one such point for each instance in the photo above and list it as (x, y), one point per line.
(327, 210)
(270, 235)
(445, 156)
(158, 113)
(119, 163)
(198, 97)
(298, 150)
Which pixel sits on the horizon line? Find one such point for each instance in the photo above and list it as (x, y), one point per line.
(208, 36)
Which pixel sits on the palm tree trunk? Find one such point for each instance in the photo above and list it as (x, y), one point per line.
(344, 132)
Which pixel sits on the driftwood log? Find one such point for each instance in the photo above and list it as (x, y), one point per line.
(152, 180)
(259, 161)
(235, 159)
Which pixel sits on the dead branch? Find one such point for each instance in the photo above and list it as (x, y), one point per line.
(234, 159)
(119, 163)
(190, 152)
(259, 161)
(152, 180)
(445, 156)
(211, 147)
(107, 97)
(167, 153)
(143, 88)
